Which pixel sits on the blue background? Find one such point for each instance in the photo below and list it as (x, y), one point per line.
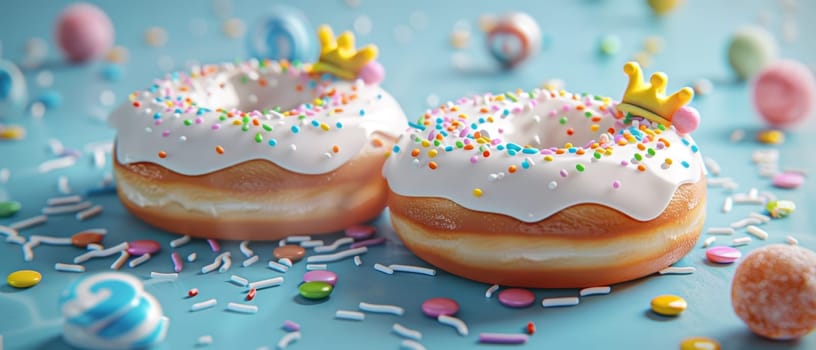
(695, 37)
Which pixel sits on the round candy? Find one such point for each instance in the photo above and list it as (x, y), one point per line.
(609, 45)
(24, 278)
(516, 297)
(315, 290)
(12, 132)
(751, 49)
(9, 208)
(515, 38)
(283, 34)
(111, 310)
(686, 119)
(784, 93)
(143, 246)
(662, 7)
(781, 208)
(669, 305)
(12, 89)
(772, 137)
(320, 276)
(774, 291)
(723, 254)
(360, 232)
(372, 73)
(699, 343)
(82, 239)
(788, 179)
(289, 251)
(440, 306)
(84, 32)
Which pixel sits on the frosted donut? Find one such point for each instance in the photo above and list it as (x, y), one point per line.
(549, 189)
(111, 310)
(259, 149)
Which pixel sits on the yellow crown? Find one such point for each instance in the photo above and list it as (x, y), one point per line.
(649, 100)
(339, 57)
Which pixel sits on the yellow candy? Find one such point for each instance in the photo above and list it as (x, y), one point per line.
(662, 7)
(24, 278)
(669, 305)
(773, 137)
(699, 343)
(12, 132)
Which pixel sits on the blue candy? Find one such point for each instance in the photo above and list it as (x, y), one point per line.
(12, 89)
(284, 34)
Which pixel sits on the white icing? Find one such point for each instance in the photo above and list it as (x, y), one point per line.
(191, 149)
(539, 191)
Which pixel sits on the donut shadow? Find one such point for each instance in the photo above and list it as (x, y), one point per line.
(299, 299)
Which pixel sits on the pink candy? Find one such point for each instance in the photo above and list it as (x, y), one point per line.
(723, 254)
(143, 246)
(440, 306)
(320, 276)
(789, 180)
(372, 73)
(516, 297)
(84, 32)
(784, 93)
(686, 119)
(359, 232)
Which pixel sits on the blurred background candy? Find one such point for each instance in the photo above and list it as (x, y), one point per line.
(663, 7)
(84, 32)
(784, 93)
(283, 34)
(514, 38)
(750, 49)
(12, 89)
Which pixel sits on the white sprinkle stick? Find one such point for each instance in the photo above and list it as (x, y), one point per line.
(719, 181)
(791, 240)
(24, 224)
(204, 305)
(28, 251)
(277, 266)
(101, 253)
(413, 269)
(712, 166)
(123, 256)
(178, 242)
(214, 265)
(64, 200)
(384, 269)
(709, 241)
(285, 261)
(9, 232)
(205, 340)
(192, 257)
(164, 276)
(249, 261)
(311, 267)
(243, 308)
(62, 185)
(271, 282)
(382, 308)
(296, 239)
(595, 291)
(678, 270)
(741, 241)
(89, 213)
(349, 315)
(728, 204)
(139, 260)
(411, 345)
(490, 290)
(15, 239)
(406, 332)
(287, 339)
(311, 243)
(243, 282)
(50, 240)
(357, 260)
(94, 246)
(721, 231)
(764, 218)
(66, 209)
(332, 247)
(244, 247)
(226, 263)
(745, 222)
(563, 301)
(69, 267)
(336, 256)
(757, 232)
(58, 163)
(454, 322)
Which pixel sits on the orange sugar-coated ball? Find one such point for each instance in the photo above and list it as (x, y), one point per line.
(774, 291)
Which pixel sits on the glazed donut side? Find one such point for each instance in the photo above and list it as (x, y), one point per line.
(581, 246)
(256, 200)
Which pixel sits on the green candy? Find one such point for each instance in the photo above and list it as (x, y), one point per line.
(781, 208)
(315, 290)
(9, 208)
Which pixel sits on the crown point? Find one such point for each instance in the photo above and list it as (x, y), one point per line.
(339, 57)
(648, 100)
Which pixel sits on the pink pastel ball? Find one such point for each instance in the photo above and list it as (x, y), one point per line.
(372, 73)
(784, 93)
(84, 32)
(686, 119)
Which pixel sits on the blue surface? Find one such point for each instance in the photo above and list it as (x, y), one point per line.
(695, 36)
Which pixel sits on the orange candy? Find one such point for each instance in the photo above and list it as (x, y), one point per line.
(774, 291)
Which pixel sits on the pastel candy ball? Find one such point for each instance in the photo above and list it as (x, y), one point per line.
(514, 38)
(662, 7)
(284, 34)
(686, 119)
(84, 32)
(784, 93)
(12, 89)
(774, 291)
(751, 49)
(372, 73)
(111, 310)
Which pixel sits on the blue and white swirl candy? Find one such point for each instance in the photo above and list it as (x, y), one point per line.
(283, 34)
(111, 310)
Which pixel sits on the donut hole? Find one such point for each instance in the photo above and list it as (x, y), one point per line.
(559, 130)
(251, 92)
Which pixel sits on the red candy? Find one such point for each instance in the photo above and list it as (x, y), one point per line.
(251, 294)
(530, 328)
(192, 292)
(84, 32)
